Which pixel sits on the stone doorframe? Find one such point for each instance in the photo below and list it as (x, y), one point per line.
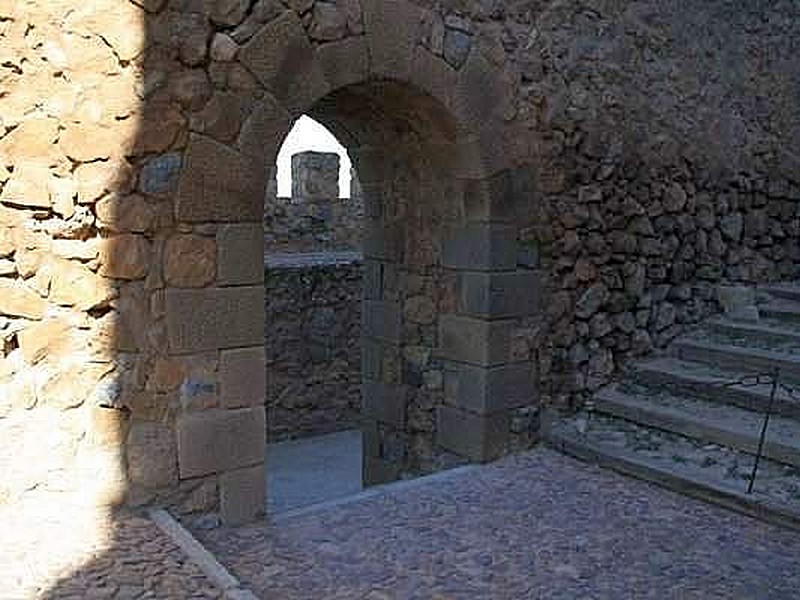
(222, 190)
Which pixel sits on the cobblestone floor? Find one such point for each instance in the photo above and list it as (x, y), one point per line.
(533, 526)
(77, 554)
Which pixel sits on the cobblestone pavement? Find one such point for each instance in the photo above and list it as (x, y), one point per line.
(534, 526)
(78, 554)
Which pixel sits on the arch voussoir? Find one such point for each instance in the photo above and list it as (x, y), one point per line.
(282, 58)
(392, 30)
(432, 75)
(263, 131)
(218, 183)
(344, 62)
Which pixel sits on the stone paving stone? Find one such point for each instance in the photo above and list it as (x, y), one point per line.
(64, 553)
(538, 525)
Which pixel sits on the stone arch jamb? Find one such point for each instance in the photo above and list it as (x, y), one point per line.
(222, 188)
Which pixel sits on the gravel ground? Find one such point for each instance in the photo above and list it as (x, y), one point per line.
(534, 526)
(70, 553)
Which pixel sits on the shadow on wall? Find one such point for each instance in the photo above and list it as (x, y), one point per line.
(133, 211)
(134, 141)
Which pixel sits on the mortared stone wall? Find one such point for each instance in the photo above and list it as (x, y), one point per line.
(549, 188)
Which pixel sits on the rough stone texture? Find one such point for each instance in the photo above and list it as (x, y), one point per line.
(239, 256)
(214, 441)
(312, 341)
(480, 247)
(315, 176)
(18, 300)
(476, 341)
(315, 221)
(214, 171)
(190, 261)
(242, 495)
(152, 458)
(212, 318)
(485, 390)
(242, 377)
(637, 155)
(477, 437)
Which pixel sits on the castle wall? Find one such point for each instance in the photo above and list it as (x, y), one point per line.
(549, 189)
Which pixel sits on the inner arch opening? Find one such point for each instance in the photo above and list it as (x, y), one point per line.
(355, 339)
(309, 135)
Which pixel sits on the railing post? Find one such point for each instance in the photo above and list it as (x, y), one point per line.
(762, 438)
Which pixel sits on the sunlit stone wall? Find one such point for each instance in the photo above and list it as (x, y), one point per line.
(565, 187)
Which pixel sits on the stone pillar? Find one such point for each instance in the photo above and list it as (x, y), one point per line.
(315, 176)
(484, 379)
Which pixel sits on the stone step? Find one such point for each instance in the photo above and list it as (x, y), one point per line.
(687, 469)
(746, 360)
(702, 381)
(765, 332)
(781, 310)
(786, 291)
(725, 425)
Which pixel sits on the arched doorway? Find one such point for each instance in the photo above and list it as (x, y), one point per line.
(442, 292)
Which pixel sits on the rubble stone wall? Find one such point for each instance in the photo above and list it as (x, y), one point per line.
(317, 219)
(70, 262)
(315, 175)
(549, 188)
(313, 346)
(667, 171)
(314, 270)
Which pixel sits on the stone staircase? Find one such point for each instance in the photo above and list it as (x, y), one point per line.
(691, 418)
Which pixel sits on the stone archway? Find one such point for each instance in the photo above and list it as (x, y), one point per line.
(442, 289)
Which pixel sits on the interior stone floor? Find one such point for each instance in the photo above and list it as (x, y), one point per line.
(312, 470)
(539, 525)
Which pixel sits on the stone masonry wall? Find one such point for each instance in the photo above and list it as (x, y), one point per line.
(639, 255)
(314, 272)
(315, 175)
(330, 224)
(612, 162)
(70, 154)
(313, 345)
(324, 224)
(665, 172)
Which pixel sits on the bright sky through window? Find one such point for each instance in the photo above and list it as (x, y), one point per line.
(306, 135)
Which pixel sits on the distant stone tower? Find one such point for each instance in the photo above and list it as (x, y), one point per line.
(315, 176)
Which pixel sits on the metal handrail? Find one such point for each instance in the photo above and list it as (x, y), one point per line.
(771, 378)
